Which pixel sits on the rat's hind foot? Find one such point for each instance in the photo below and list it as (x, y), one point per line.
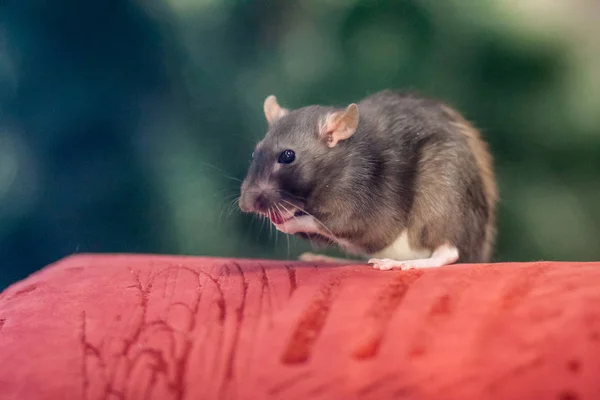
(386, 264)
(318, 258)
(443, 255)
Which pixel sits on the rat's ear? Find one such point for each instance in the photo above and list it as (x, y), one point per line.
(272, 109)
(339, 125)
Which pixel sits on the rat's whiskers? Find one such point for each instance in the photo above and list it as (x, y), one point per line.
(269, 211)
(225, 174)
(280, 206)
(289, 194)
(309, 214)
(287, 236)
(234, 205)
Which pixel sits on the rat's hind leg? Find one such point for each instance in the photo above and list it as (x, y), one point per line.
(318, 258)
(443, 255)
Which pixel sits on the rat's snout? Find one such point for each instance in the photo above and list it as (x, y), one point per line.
(257, 199)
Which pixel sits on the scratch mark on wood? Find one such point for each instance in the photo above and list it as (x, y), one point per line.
(239, 312)
(168, 272)
(266, 287)
(521, 286)
(88, 350)
(292, 279)
(380, 313)
(25, 290)
(221, 298)
(441, 306)
(310, 325)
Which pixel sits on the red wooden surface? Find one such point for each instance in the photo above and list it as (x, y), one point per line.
(147, 327)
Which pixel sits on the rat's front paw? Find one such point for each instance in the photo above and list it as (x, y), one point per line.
(307, 257)
(302, 224)
(386, 264)
(288, 227)
(316, 258)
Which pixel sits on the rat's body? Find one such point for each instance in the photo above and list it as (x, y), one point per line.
(398, 177)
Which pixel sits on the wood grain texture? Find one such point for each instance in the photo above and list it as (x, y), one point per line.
(158, 327)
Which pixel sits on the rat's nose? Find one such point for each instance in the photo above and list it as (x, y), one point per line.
(262, 202)
(256, 201)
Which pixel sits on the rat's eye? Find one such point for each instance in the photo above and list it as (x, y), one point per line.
(287, 157)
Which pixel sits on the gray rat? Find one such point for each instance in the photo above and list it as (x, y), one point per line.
(398, 177)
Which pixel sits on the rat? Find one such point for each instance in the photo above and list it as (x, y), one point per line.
(399, 179)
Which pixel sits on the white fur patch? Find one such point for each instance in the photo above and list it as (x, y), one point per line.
(400, 250)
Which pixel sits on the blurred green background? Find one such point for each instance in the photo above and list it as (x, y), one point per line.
(125, 124)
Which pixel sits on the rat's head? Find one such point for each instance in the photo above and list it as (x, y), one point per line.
(292, 159)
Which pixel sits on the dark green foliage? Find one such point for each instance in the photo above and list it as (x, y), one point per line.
(122, 123)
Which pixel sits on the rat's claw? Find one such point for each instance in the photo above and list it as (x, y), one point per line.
(311, 257)
(321, 258)
(386, 264)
